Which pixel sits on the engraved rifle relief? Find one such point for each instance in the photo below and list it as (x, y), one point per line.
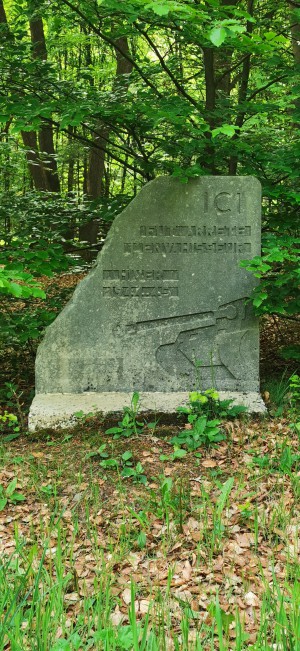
(205, 336)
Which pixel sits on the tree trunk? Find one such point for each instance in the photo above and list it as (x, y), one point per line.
(35, 165)
(97, 156)
(295, 34)
(71, 161)
(96, 165)
(243, 89)
(96, 162)
(210, 105)
(44, 175)
(45, 137)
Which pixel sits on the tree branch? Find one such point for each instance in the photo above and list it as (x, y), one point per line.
(175, 81)
(114, 45)
(270, 83)
(242, 96)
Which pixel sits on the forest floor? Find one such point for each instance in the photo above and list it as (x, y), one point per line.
(119, 544)
(194, 553)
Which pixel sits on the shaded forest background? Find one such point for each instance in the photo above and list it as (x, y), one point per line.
(98, 97)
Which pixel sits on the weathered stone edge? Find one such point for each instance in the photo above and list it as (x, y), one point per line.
(57, 409)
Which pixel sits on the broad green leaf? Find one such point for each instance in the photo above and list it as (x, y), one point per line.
(109, 463)
(159, 8)
(16, 290)
(225, 129)
(223, 497)
(217, 35)
(18, 497)
(179, 453)
(114, 430)
(127, 455)
(11, 487)
(37, 292)
(61, 645)
(128, 472)
(258, 300)
(141, 539)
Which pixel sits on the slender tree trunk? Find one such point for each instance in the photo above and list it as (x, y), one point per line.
(210, 105)
(97, 185)
(45, 136)
(85, 173)
(97, 156)
(71, 161)
(96, 162)
(295, 35)
(243, 89)
(3, 18)
(44, 176)
(35, 165)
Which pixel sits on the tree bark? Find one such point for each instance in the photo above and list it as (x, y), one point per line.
(71, 162)
(210, 105)
(295, 35)
(96, 165)
(44, 176)
(29, 138)
(243, 89)
(45, 136)
(35, 165)
(97, 156)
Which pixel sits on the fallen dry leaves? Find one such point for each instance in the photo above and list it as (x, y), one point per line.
(189, 559)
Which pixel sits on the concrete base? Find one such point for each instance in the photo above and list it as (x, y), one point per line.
(57, 409)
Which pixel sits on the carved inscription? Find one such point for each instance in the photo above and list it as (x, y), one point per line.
(223, 202)
(227, 239)
(140, 274)
(194, 231)
(129, 291)
(188, 247)
(141, 283)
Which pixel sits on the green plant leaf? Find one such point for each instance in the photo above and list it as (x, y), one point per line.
(128, 472)
(114, 430)
(11, 487)
(108, 463)
(159, 8)
(179, 453)
(18, 497)
(217, 35)
(126, 455)
(223, 497)
(142, 539)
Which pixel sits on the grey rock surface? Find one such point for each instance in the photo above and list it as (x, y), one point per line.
(52, 410)
(164, 308)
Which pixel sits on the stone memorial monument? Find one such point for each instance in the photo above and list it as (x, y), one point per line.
(163, 310)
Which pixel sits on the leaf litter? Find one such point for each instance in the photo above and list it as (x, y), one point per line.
(178, 539)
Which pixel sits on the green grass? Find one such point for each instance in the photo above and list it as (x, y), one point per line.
(35, 592)
(201, 558)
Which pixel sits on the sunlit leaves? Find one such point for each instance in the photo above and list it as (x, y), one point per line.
(164, 7)
(224, 30)
(218, 35)
(19, 284)
(226, 130)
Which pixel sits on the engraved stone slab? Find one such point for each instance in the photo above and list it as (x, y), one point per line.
(164, 309)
